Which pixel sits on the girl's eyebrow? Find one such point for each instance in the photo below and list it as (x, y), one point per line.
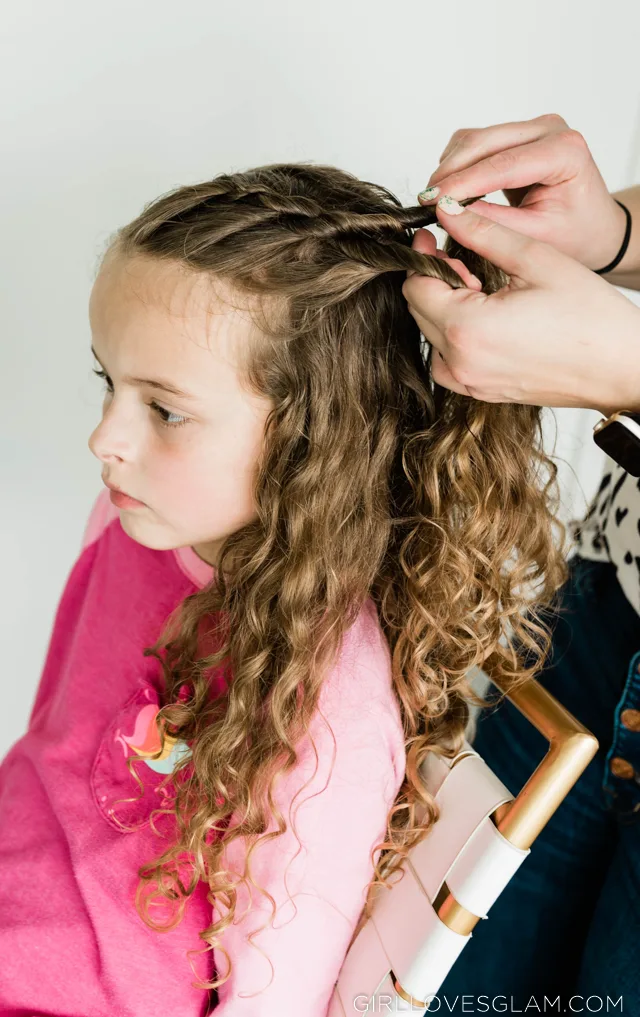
(158, 383)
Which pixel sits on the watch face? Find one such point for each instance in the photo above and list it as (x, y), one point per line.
(622, 445)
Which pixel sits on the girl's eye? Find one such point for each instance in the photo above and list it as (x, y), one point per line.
(163, 414)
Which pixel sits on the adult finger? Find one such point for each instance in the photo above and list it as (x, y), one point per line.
(516, 254)
(539, 162)
(440, 371)
(523, 259)
(425, 242)
(442, 375)
(469, 145)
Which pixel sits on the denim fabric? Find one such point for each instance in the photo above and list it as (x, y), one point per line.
(569, 921)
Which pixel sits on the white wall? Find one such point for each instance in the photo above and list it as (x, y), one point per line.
(108, 105)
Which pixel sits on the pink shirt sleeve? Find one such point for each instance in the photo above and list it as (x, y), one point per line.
(319, 888)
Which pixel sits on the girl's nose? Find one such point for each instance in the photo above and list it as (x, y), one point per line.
(113, 437)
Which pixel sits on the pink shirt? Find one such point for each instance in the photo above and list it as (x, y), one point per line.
(71, 941)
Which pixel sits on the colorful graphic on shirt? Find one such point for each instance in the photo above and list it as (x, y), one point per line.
(145, 742)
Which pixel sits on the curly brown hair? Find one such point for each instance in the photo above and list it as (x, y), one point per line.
(373, 482)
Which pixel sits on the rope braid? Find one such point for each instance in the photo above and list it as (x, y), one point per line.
(372, 242)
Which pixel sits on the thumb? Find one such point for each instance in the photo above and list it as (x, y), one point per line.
(515, 253)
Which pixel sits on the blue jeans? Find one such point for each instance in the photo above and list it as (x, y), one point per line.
(568, 923)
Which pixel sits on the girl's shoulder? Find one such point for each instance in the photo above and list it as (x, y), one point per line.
(360, 684)
(102, 513)
(365, 650)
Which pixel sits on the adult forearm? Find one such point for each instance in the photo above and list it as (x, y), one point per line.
(627, 273)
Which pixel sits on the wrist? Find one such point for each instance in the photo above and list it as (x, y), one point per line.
(610, 244)
(627, 404)
(615, 379)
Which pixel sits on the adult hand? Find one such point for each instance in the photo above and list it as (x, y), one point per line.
(555, 190)
(556, 335)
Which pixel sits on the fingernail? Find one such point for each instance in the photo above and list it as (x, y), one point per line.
(429, 193)
(450, 205)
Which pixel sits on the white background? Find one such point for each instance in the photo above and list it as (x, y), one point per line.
(106, 106)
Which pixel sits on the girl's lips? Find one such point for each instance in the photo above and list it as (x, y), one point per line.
(123, 500)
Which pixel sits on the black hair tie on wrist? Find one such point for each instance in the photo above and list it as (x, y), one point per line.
(625, 243)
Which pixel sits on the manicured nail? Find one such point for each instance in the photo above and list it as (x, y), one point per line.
(450, 205)
(429, 193)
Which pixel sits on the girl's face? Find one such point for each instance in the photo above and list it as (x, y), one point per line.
(189, 457)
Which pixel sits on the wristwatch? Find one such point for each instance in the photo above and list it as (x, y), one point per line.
(619, 436)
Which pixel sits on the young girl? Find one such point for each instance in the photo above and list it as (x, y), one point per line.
(302, 549)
